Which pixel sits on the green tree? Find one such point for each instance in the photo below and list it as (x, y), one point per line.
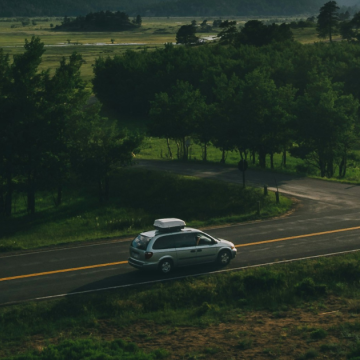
(65, 99)
(102, 149)
(228, 33)
(175, 115)
(258, 34)
(327, 121)
(228, 95)
(349, 30)
(138, 20)
(26, 118)
(7, 137)
(328, 20)
(186, 35)
(264, 115)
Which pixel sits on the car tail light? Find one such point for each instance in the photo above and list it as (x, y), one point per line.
(148, 255)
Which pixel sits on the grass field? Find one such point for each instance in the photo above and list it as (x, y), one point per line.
(82, 217)
(302, 310)
(154, 33)
(156, 148)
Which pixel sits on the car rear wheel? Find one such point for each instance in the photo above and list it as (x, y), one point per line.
(166, 266)
(224, 258)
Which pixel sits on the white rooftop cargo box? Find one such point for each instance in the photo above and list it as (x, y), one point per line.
(162, 224)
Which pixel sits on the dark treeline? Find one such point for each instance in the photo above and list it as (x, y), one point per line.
(233, 7)
(257, 100)
(68, 7)
(49, 133)
(100, 21)
(158, 7)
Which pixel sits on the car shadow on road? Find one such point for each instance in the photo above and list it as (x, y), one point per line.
(136, 277)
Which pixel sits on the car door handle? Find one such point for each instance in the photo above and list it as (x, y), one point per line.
(192, 250)
(199, 250)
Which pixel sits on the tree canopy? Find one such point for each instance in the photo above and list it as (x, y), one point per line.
(186, 35)
(100, 21)
(49, 132)
(257, 100)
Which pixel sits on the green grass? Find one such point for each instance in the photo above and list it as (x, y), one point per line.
(137, 198)
(156, 148)
(92, 349)
(181, 303)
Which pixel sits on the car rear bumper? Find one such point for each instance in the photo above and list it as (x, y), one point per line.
(141, 265)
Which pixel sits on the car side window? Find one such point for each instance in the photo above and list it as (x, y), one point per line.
(202, 240)
(165, 242)
(185, 240)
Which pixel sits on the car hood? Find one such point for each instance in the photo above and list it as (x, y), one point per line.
(225, 242)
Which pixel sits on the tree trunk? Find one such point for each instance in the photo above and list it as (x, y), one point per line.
(342, 167)
(205, 152)
(58, 196)
(185, 149)
(100, 191)
(2, 201)
(107, 188)
(262, 159)
(9, 190)
(169, 148)
(272, 160)
(330, 168)
(322, 168)
(178, 149)
(31, 195)
(284, 158)
(253, 157)
(222, 161)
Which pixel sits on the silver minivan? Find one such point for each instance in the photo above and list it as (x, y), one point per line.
(172, 244)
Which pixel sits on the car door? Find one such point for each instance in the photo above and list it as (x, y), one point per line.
(206, 249)
(186, 249)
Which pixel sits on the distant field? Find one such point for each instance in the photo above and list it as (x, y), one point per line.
(154, 33)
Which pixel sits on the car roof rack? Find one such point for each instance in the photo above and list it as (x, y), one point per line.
(169, 225)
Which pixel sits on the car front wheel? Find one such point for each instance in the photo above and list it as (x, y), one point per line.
(166, 266)
(224, 258)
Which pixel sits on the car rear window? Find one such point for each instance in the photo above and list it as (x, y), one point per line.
(140, 242)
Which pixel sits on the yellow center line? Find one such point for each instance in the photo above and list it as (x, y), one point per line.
(63, 271)
(125, 262)
(299, 237)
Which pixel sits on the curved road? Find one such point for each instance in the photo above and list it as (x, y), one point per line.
(326, 221)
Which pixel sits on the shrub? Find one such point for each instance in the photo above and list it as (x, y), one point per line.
(307, 287)
(318, 334)
(310, 354)
(329, 347)
(263, 280)
(244, 344)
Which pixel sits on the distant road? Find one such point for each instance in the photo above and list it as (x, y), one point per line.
(326, 221)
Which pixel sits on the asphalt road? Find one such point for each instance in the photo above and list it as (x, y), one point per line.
(326, 221)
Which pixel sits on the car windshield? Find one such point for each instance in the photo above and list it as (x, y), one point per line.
(140, 242)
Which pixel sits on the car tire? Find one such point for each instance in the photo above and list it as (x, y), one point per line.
(166, 266)
(224, 258)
